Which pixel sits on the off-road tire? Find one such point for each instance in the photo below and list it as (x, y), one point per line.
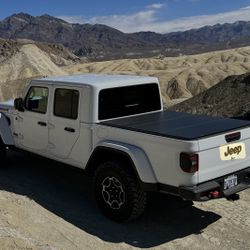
(133, 201)
(2, 152)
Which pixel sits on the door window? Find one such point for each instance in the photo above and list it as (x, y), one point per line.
(66, 103)
(37, 99)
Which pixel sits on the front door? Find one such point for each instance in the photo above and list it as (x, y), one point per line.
(33, 132)
(64, 126)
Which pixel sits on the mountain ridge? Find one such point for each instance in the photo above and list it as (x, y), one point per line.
(102, 42)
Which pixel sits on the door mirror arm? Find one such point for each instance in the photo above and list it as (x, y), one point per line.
(19, 104)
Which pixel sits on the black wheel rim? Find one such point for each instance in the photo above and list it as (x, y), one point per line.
(113, 193)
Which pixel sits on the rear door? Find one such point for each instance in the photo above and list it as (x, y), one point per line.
(224, 154)
(64, 125)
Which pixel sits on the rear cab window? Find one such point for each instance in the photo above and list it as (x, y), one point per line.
(128, 100)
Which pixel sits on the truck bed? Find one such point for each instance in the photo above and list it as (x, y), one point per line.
(178, 125)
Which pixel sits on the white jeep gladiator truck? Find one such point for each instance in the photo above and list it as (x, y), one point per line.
(115, 128)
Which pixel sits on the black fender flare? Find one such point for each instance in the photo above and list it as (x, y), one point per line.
(5, 130)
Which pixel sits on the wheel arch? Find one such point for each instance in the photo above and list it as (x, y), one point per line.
(136, 157)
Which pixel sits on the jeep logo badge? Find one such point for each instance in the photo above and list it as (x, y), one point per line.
(233, 151)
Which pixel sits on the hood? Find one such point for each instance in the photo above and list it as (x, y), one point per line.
(7, 105)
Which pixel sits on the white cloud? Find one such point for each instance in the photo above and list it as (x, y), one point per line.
(73, 19)
(126, 23)
(246, 8)
(147, 20)
(155, 6)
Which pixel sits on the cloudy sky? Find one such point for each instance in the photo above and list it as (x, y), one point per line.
(161, 16)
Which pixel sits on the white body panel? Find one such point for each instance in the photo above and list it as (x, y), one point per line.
(31, 135)
(162, 153)
(211, 163)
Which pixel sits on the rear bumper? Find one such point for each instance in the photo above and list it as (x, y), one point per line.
(215, 188)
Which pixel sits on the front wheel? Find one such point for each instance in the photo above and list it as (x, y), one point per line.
(118, 193)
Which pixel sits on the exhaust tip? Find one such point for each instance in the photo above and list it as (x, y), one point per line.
(233, 197)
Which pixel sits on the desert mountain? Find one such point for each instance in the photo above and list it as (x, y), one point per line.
(27, 62)
(20, 62)
(56, 52)
(180, 77)
(207, 38)
(228, 98)
(103, 42)
(86, 39)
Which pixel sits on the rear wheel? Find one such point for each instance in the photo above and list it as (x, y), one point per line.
(118, 193)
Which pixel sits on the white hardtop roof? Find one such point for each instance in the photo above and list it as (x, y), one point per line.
(98, 80)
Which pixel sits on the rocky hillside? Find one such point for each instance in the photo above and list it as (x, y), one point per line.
(101, 42)
(21, 61)
(228, 98)
(180, 77)
(56, 52)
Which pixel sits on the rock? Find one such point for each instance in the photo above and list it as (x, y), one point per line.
(195, 86)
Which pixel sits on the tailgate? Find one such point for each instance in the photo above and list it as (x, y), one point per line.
(224, 154)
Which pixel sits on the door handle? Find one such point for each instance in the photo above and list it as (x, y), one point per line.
(68, 129)
(44, 124)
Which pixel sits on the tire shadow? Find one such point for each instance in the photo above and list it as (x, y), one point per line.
(67, 192)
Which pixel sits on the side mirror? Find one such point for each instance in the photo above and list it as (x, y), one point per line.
(18, 104)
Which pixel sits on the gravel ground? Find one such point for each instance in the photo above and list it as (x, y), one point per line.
(45, 205)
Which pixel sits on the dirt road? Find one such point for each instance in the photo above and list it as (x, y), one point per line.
(45, 205)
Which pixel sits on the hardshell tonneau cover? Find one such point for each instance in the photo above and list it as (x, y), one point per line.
(178, 125)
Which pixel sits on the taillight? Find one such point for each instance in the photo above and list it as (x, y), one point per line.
(189, 163)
